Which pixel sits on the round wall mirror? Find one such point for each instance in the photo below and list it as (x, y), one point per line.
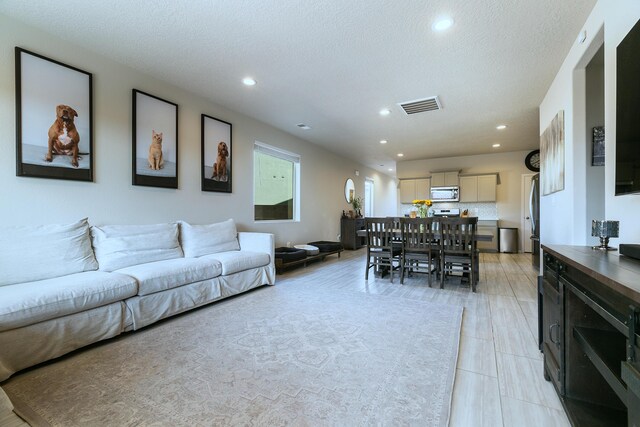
(349, 190)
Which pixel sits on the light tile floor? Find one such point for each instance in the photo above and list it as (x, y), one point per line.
(499, 379)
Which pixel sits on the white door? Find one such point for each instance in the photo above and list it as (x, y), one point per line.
(525, 210)
(368, 197)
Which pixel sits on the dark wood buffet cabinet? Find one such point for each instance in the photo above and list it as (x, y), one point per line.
(348, 233)
(590, 303)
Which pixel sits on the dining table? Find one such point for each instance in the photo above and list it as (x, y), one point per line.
(397, 233)
(479, 236)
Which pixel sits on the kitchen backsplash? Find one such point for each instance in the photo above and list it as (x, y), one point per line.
(487, 210)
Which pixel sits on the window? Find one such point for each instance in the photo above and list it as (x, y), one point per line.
(276, 184)
(368, 197)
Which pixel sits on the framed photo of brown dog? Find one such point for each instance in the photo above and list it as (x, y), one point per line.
(155, 141)
(54, 119)
(216, 155)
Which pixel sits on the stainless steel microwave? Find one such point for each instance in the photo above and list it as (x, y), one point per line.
(445, 194)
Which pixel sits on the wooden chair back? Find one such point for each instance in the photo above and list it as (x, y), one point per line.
(418, 234)
(379, 233)
(457, 235)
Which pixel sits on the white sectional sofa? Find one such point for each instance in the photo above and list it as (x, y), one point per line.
(66, 286)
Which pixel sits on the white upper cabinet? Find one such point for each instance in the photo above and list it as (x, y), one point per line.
(487, 188)
(444, 179)
(407, 190)
(468, 188)
(478, 188)
(412, 189)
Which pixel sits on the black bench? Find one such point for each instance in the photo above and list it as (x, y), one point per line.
(291, 257)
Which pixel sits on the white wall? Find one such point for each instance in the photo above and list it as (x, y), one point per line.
(563, 219)
(111, 199)
(509, 165)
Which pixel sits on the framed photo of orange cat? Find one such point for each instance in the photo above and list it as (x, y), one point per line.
(155, 141)
(216, 155)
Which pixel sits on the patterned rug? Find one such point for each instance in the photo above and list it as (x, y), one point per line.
(283, 355)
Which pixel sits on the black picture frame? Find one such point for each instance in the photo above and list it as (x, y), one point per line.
(54, 118)
(216, 149)
(597, 153)
(158, 166)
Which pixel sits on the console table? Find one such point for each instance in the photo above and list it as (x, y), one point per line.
(589, 327)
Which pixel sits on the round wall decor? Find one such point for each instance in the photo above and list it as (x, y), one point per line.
(532, 161)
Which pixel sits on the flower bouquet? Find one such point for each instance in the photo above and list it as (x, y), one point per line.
(423, 207)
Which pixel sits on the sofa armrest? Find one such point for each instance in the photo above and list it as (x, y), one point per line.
(257, 242)
(260, 242)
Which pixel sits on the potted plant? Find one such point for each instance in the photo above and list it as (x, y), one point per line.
(356, 203)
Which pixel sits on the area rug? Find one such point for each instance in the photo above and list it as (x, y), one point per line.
(283, 355)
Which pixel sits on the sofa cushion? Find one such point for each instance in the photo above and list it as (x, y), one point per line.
(119, 246)
(29, 253)
(162, 275)
(235, 261)
(199, 240)
(32, 302)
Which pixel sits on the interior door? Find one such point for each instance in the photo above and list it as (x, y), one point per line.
(525, 213)
(368, 197)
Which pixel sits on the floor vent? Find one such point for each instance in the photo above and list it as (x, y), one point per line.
(421, 105)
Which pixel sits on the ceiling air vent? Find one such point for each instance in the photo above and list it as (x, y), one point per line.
(421, 105)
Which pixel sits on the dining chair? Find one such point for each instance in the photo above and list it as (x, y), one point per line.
(381, 250)
(420, 248)
(458, 248)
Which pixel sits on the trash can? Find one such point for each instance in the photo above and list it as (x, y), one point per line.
(508, 241)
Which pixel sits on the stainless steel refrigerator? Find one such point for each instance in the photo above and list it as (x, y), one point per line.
(534, 205)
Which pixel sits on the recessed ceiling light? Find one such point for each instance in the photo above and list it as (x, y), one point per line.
(385, 112)
(383, 141)
(400, 155)
(501, 127)
(442, 24)
(390, 169)
(303, 126)
(248, 81)
(496, 145)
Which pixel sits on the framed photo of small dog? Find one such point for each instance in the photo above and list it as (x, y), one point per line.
(216, 155)
(54, 117)
(155, 141)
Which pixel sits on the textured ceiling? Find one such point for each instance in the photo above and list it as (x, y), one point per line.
(333, 64)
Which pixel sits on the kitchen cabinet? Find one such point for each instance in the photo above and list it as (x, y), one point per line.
(412, 189)
(486, 226)
(478, 188)
(589, 331)
(423, 188)
(444, 179)
(468, 188)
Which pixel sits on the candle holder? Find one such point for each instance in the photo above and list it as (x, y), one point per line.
(604, 230)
